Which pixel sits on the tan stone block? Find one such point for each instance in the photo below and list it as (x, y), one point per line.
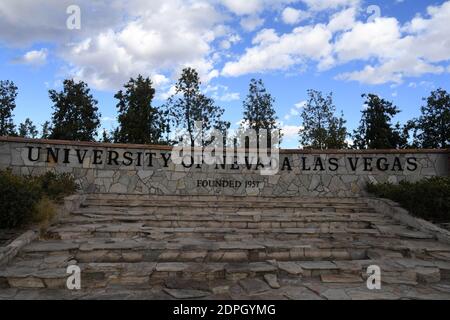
(28, 282)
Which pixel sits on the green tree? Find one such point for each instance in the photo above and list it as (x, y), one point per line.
(46, 130)
(321, 129)
(106, 137)
(376, 130)
(189, 105)
(8, 94)
(432, 129)
(75, 115)
(139, 121)
(27, 129)
(259, 112)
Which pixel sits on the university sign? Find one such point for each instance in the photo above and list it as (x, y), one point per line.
(139, 169)
(147, 159)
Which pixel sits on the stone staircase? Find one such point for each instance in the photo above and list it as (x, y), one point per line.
(126, 241)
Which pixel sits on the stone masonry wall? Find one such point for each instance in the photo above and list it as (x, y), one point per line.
(133, 169)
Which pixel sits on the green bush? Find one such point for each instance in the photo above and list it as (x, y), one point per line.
(56, 186)
(18, 198)
(428, 199)
(23, 199)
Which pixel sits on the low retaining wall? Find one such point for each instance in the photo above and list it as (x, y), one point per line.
(139, 169)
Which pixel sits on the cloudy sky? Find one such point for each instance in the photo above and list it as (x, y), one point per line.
(399, 49)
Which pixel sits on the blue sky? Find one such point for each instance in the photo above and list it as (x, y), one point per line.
(399, 49)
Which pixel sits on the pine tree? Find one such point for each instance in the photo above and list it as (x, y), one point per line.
(139, 121)
(376, 130)
(27, 129)
(8, 94)
(321, 129)
(75, 115)
(189, 105)
(432, 129)
(259, 112)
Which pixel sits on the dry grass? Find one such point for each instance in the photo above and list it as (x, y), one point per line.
(44, 213)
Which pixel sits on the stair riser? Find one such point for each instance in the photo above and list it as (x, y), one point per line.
(228, 201)
(208, 198)
(99, 279)
(266, 225)
(115, 256)
(218, 198)
(209, 236)
(211, 209)
(230, 214)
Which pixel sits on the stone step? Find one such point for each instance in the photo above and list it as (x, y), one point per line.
(237, 249)
(225, 221)
(147, 274)
(174, 214)
(224, 199)
(52, 274)
(194, 223)
(195, 250)
(130, 230)
(246, 212)
(209, 207)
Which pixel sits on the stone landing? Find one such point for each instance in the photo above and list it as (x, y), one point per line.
(196, 247)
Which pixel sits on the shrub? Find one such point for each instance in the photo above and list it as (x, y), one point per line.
(26, 199)
(56, 186)
(18, 196)
(428, 199)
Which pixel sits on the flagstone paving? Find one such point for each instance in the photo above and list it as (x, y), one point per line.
(150, 247)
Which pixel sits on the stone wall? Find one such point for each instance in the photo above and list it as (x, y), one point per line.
(135, 169)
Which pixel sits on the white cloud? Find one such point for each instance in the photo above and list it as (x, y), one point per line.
(413, 50)
(165, 38)
(172, 90)
(319, 5)
(251, 23)
(230, 41)
(250, 10)
(24, 22)
(265, 36)
(159, 80)
(295, 111)
(370, 75)
(292, 113)
(290, 131)
(252, 7)
(229, 96)
(157, 38)
(288, 50)
(381, 38)
(34, 58)
(390, 50)
(342, 20)
(300, 105)
(109, 119)
(221, 93)
(293, 16)
(392, 71)
(119, 39)
(246, 7)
